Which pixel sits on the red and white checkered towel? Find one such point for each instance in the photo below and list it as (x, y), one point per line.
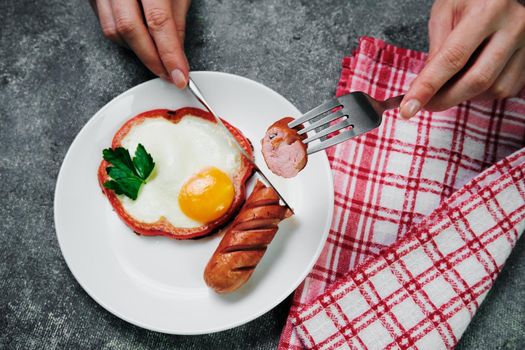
(418, 237)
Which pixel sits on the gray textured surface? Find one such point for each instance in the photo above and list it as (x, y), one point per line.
(56, 71)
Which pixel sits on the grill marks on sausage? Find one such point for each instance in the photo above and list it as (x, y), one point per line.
(256, 239)
(264, 197)
(245, 240)
(244, 268)
(244, 248)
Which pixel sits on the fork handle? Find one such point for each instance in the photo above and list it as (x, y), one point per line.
(392, 102)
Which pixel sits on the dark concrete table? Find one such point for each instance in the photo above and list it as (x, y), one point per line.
(57, 70)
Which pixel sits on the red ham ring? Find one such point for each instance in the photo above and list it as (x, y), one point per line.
(162, 227)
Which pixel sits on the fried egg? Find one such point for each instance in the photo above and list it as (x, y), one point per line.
(195, 164)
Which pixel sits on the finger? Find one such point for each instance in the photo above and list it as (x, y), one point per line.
(131, 28)
(511, 80)
(452, 56)
(180, 9)
(439, 25)
(480, 75)
(161, 25)
(107, 22)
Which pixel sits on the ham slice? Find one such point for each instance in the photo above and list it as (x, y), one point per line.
(283, 149)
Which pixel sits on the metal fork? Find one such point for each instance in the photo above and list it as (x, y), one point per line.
(358, 113)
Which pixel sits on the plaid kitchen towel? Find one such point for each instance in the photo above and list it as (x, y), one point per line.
(415, 241)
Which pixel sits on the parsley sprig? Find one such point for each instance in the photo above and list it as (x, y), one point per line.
(127, 175)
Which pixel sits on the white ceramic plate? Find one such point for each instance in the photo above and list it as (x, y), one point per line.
(156, 282)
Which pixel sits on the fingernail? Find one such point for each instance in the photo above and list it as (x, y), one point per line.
(410, 108)
(178, 78)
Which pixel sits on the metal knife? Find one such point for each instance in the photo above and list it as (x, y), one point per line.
(197, 93)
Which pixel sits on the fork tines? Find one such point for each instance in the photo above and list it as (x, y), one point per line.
(327, 112)
(325, 107)
(351, 115)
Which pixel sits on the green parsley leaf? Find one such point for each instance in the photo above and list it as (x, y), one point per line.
(143, 162)
(128, 183)
(127, 175)
(118, 157)
(113, 185)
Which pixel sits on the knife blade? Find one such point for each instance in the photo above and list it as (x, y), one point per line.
(200, 97)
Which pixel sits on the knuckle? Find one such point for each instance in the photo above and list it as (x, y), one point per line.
(455, 57)
(109, 32)
(480, 82)
(501, 55)
(181, 33)
(429, 88)
(168, 54)
(433, 23)
(500, 91)
(157, 18)
(125, 26)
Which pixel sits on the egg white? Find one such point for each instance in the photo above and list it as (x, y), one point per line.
(179, 151)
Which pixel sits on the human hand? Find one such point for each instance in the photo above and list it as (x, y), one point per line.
(483, 41)
(153, 29)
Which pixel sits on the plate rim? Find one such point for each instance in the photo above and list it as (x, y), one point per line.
(97, 115)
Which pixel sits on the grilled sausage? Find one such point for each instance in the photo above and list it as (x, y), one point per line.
(245, 240)
(283, 149)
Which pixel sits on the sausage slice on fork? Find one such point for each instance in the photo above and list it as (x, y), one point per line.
(283, 149)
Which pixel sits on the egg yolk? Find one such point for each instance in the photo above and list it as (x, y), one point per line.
(207, 195)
